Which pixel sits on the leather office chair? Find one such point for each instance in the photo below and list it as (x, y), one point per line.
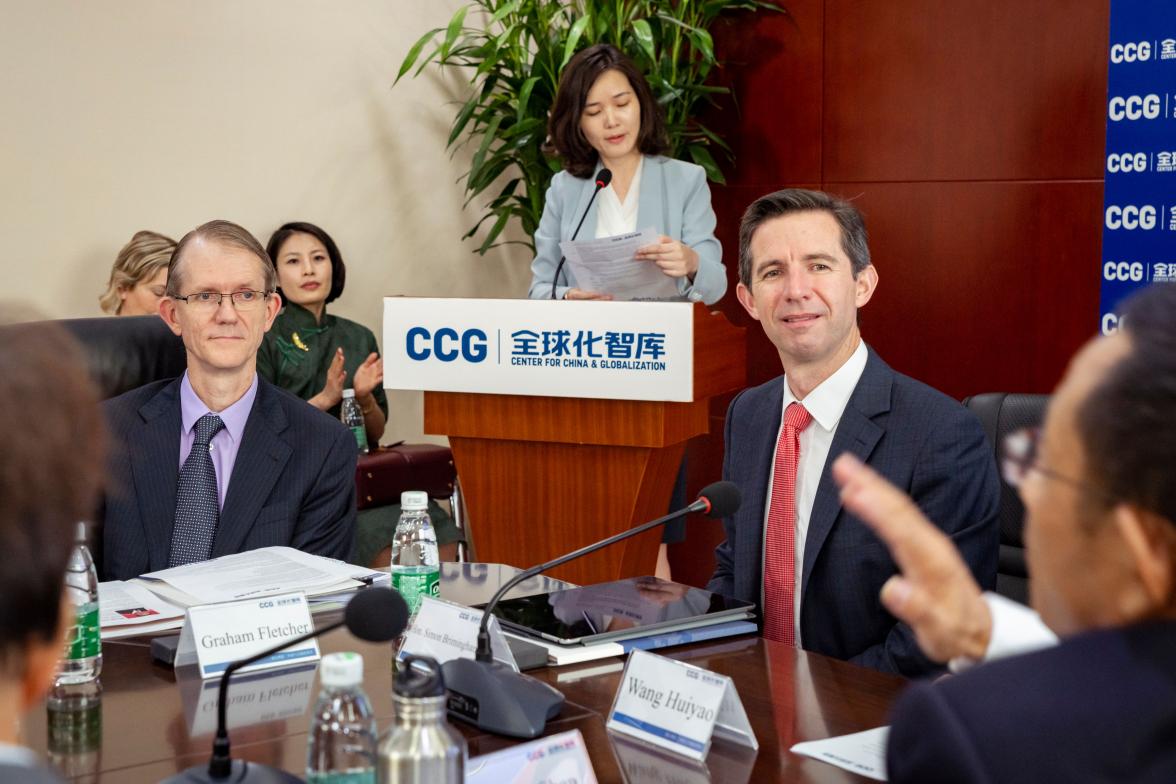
(1002, 413)
(126, 352)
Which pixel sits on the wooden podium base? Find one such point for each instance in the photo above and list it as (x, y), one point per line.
(531, 500)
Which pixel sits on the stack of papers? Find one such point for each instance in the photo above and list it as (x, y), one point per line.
(157, 601)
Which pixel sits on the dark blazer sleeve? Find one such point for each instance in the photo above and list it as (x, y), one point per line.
(723, 580)
(326, 518)
(954, 482)
(929, 742)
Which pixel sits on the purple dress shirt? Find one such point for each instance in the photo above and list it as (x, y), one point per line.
(224, 445)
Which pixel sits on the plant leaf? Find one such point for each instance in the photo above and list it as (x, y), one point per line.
(525, 96)
(414, 52)
(573, 39)
(702, 157)
(643, 35)
(453, 31)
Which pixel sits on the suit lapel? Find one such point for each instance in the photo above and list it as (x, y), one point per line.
(155, 464)
(650, 201)
(760, 453)
(260, 460)
(857, 433)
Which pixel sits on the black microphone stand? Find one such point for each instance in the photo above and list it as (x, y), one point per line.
(603, 178)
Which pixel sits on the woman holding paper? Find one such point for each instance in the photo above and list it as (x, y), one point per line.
(605, 116)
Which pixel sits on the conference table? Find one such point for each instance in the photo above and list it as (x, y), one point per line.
(150, 721)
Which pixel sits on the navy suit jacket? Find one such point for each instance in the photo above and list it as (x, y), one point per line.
(921, 440)
(293, 482)
(1099, 707)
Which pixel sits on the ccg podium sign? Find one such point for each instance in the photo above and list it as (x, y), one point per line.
(610, 350)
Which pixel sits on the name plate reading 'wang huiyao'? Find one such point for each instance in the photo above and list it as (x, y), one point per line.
(677, 706)
(216, 635)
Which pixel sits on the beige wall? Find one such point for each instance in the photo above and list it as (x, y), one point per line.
(145, 114)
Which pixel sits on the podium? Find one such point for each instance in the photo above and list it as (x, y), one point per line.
(542, 475)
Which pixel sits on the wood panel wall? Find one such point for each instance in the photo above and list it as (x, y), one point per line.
(970, 133)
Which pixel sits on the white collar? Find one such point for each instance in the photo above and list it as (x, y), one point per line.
(827, 402)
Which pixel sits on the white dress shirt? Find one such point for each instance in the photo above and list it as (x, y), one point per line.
(1016, 629)
(825, 404)
(614, 216)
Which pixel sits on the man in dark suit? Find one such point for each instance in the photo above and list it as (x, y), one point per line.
(50, 474)
(219, 461)
(815, 572)
(1100, 540)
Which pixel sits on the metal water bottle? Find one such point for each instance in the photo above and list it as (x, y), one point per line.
(420, 747)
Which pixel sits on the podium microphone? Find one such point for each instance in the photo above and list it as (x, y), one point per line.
(497, 699)
(603, 178)
(373, 614)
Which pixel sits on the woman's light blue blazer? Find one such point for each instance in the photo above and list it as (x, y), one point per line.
(674, 199)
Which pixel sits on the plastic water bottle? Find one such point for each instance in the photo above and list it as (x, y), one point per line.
(416, 569)
(341, 748)
(75, 730)
(83, 647)
(352, 416)
(421, 747)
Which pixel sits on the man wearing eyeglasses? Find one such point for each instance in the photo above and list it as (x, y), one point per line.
(219, 461)
(1100, 541)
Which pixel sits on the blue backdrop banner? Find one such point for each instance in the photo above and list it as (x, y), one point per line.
(1139, 209)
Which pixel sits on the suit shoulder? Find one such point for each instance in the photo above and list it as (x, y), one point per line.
(679, 170)
(121, 408)
(930, 404)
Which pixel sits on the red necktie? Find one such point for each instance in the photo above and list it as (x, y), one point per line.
(780, 542)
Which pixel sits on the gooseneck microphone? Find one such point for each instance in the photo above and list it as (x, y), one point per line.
(373, 614)
(497, 699)
(603, 178)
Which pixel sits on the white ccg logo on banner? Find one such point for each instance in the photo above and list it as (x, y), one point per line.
(610, 350)
(1131, 53)
(1134, 107)
(1131, 217)
(1126, 162)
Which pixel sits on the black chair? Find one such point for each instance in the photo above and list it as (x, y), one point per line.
(1002, 413)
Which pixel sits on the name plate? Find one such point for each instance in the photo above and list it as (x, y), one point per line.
(559, 758)
(216, 635)
(610, 350)
(448, 631)
(677, 706)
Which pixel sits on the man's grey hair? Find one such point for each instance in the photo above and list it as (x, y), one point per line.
(792, 200)
(226, 233)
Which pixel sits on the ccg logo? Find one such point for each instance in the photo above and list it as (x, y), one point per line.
(1134, 107)
(1131, 53)
(1123, 162)
(1123, 270)
(446, 344)
(1131, 217)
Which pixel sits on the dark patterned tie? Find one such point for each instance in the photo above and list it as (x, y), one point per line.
(197, 504)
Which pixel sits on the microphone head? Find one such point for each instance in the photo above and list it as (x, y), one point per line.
(722, 498)
(376, 614)
(603, 178)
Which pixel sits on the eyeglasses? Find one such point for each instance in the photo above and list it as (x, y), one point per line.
(245, 299)
(1019, 452)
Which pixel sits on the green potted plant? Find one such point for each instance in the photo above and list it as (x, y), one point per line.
(514, 57)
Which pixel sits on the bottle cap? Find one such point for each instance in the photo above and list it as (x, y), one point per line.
(348, 393)
(82, 534)
(341, 670)
(414, 500)
(419, 678)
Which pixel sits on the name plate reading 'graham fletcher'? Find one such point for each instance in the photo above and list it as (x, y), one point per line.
(677, 706)
(216, 635)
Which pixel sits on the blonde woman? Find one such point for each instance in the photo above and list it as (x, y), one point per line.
(139, 276)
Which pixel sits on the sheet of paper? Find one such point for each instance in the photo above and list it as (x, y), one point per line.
(863, 753)
(267, 571)
(608, 266)
(127, 604)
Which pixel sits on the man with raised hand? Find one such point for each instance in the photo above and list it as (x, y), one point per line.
(1100, 539)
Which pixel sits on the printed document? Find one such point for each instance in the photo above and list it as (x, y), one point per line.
(863, 753)
(608, 266)
(126, 609)
(263, 572)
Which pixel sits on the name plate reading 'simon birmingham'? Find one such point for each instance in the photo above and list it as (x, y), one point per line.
(613, 350)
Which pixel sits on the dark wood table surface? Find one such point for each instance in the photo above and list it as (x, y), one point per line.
(151, 721)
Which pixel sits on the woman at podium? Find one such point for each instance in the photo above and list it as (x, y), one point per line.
(605, 116)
